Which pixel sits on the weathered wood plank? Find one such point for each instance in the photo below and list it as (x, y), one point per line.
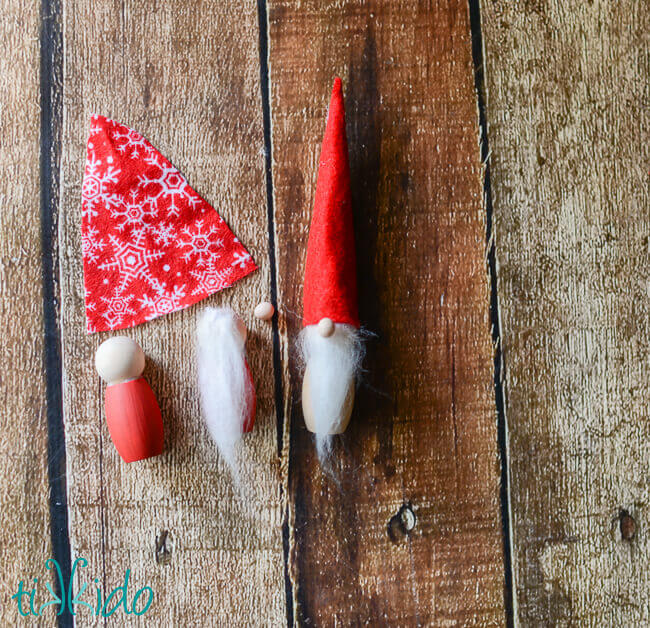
(25, 531)
(568, 122)
(423, 432)
(187, 77)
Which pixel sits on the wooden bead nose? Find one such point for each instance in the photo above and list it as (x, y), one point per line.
(264, 311)
(326, 327)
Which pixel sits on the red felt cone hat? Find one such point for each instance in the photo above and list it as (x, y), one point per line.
(330, 288)
(151, 245)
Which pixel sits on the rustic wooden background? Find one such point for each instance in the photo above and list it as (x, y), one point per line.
(499, 154)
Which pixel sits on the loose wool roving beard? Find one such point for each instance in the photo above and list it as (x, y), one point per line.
(331, 368)
(225, 383)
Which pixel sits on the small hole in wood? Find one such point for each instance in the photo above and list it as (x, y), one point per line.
(627, 525)
(163, 552)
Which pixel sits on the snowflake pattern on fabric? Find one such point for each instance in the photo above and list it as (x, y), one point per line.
(168, 184)
(162, 302)
(116, 308)
(133, 211)
(95, 190)
(163, 234)
(91, 245)
(130, 142)
(202, 244)
(132, 261)
(241, 260)
(211, 279)
(151, 245)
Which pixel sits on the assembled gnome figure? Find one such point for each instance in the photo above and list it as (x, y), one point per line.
(132, 412)
(225, 382)
(330, 341)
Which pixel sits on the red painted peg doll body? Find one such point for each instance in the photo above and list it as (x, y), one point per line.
(132, 412)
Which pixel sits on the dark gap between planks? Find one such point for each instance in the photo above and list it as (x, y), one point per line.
(263, 24)
(499, 367)
(51, 75)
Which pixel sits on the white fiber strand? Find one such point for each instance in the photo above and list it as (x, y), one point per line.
(332, 362)
(226, 395)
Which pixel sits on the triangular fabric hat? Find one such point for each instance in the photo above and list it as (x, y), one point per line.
(151, 245)
(330, 287)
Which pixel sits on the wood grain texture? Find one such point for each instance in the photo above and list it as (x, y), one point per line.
(423, 433)
(187, 78)
(568, 128)
(25, 530)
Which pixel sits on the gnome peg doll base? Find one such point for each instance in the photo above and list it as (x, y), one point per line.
(332, 362)
(330, 340)
(132, 412)
(342, 412)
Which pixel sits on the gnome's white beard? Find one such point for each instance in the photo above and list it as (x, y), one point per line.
(227, 396)
(333, 363)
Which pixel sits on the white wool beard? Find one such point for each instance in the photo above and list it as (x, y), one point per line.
(332, 363)
(226, 394)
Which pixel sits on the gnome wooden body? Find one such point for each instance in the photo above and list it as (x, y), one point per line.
(132, 411)
(340, 421)
(249, 386)
(331, 353)
(330, 338)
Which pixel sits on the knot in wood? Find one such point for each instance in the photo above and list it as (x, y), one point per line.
(401, 524)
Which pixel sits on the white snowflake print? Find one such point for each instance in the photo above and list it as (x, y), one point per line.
(172, 184)
(138, 234)
(201, 245)
(133, 212)
(131, 260)
(164, 234)
(96, 127)
(128, 141)
(163, 302)
(117, 307)
(151, 245)
(91, 245)
(211, 279)
(94, 190)
(241, 259)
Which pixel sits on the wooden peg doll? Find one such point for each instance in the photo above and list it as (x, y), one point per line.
(132, 412)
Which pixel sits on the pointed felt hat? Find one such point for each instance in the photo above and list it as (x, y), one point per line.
(330, 288)
(151, 245)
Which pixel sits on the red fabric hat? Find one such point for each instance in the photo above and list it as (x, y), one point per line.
(330, 288)
(151, 245)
